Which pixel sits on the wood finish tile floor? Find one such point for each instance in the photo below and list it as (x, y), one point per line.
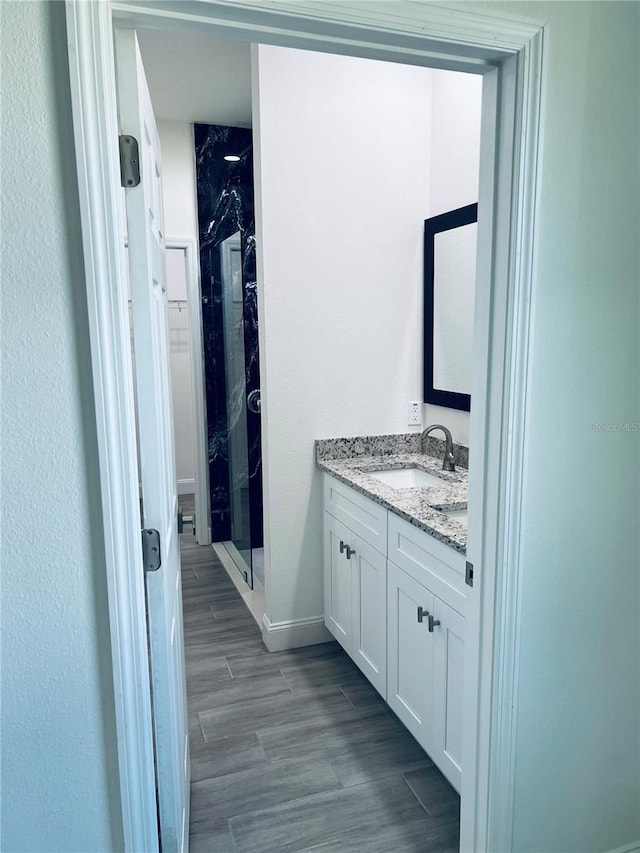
(295, 751)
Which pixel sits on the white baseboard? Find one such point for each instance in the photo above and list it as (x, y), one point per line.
(187, 487)
(634, 847)
(278, 636)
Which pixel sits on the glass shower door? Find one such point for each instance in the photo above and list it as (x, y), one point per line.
(236, 397)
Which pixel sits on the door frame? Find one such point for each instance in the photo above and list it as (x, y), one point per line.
(194, 311)
(508, 51)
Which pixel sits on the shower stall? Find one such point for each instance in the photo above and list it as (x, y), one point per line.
(224, 174)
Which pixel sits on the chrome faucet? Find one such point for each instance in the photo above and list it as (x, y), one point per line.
(448, 463)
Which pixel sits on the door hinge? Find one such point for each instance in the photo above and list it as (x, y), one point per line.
(151, 549)
(129, 161)
(468, 574)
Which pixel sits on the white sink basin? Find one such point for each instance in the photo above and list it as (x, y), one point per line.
(407, 478)
(459, 515)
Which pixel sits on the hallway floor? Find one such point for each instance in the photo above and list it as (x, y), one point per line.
(295, 751)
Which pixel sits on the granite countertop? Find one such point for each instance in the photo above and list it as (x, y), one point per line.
(352, 460)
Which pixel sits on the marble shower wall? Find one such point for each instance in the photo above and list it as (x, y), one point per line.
(226, 207)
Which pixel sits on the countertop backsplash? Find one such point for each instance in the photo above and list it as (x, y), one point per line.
(383, 445)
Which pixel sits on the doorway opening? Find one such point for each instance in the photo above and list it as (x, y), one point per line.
(437, 116)
(509, 191)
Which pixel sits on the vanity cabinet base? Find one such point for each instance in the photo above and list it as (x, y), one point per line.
(403, 625)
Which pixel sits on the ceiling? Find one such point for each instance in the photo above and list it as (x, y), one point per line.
(196, 78)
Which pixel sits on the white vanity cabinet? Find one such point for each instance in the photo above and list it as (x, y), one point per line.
(355, 579)
(395, 601)
(425, 649)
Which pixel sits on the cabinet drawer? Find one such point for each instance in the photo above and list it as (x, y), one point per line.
(428, 561)
(364, 517)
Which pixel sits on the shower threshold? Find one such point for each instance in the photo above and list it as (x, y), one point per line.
(236, 566)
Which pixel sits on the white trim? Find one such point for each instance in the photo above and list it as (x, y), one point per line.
(634, 847)
(278, 636)
(497, 434)
(201, 460)
(462, 38)
(440, 36)
(503, 550)
(474, 788)
(93, 99)
(187, 487)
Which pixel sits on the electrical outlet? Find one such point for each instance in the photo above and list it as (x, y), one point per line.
(415, 413)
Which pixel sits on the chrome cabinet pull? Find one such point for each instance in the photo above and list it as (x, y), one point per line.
(432, 623)
(344, 548)
(422, 614)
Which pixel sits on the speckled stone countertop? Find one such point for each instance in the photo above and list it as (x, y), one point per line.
(352, 460)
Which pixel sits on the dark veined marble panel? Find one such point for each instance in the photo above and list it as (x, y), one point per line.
(226, 208)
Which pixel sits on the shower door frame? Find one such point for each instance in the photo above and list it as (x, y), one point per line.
(236, 553)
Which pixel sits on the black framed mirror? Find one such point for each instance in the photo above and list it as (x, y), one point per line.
(449, 289)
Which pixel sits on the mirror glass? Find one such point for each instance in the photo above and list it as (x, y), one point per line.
(449, 265)
(454, 286)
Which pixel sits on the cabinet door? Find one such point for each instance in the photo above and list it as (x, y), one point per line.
(448, 683)
(369, 612)
(410, 654)
(337, 583)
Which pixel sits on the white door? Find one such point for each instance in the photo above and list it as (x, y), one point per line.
(410, 653)
(369, 612)
(448, 687)
(337, 582)
(158, 482)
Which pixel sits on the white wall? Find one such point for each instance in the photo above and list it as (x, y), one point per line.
(59, 775)
(343, 185)
(456, 102)
(455, 162)
(180, 220)
(578, 715)
(178, 179)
